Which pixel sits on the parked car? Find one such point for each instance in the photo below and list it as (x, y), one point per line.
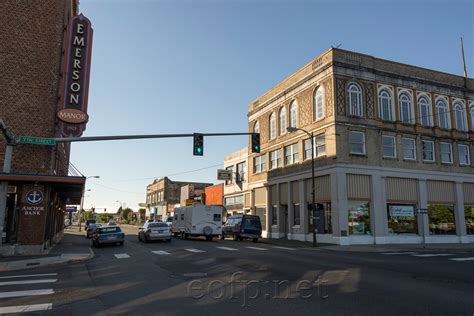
(90, 230)
(242, 227)
(154, 231)
(197, 220)
(90, 221)
(108, 235)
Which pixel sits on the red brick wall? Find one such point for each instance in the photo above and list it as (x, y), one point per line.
(214, 194)
(31, 36)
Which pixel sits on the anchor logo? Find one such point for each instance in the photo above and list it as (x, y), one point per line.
(34, 197)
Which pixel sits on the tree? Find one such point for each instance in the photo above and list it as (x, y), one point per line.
(125, 212)
(86, 215)
(142, 213)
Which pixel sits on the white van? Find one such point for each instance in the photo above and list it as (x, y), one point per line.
(197, 220)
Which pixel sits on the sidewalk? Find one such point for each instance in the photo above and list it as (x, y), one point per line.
(73, 247)
(373, 248)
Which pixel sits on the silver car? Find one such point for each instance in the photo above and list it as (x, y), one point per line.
(154, 231)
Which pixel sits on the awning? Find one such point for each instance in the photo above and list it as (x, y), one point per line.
(69, 188)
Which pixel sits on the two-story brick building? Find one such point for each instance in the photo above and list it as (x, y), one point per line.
(393, 148)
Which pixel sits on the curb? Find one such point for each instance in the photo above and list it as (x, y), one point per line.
(48, 261)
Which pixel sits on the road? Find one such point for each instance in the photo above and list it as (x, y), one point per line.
(224, 277)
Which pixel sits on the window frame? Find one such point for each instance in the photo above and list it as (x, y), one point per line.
(231, 181)
(293, 154)
(394, 143)
(468, 155)
(363, 144)
(256, 127)
(279, 158)
(460, 111)
(359, 103)
(295, 217)
(446, 115)
(432, 150)
(409, 104)
(318, 99)
(389, 99)
(238, 176)
(450, 153)
(272, 126)
(413, 141)
(282, 121)
(429, 115)
(293, 114)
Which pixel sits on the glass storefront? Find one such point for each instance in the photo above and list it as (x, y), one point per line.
(359, 218)
(402, 219)
(441, 219)
(469, 217)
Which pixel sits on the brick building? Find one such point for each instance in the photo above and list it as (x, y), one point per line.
(214, 194)
(37, 186)
(393, 146)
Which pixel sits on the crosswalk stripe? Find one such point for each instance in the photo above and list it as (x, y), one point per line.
(121, 256)
(285, 248)
(26, 308)
(399, 253)
(28, 282)
(434, 255)
(256, 248)
(161, 252)
(227, 248)
(28, 276)
(194, 250)
(462, 259)
(26, 293)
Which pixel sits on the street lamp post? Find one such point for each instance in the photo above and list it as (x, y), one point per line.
(313, 205)
(82, 200)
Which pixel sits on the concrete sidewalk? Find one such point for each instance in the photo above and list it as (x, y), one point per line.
(73, 247)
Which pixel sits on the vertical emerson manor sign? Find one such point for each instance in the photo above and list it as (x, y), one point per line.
(72, 109)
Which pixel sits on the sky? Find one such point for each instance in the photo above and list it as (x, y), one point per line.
(179, 66)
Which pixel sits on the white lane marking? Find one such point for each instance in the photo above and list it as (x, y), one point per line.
(256, 248)
(26, 308)
(121, 256)
(285, 248)
(227, 248)
(28, 282)
(462, 259)
(28, 276)
(399, 253)
(434, 255)
(26, 293)
(161, 252)
(194, 250)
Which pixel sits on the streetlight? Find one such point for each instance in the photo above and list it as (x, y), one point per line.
(313, 205)
(82, 200)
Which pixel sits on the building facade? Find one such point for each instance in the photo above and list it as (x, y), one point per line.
(214, 195)
(392, 146)
(35, 185)
(237, 197)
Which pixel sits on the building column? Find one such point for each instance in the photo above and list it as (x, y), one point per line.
(459, 218)
(268, 217)
(339, 204)
(422, 219)
(291, 210)
(379, 208)
(280, 215)
(304, 220)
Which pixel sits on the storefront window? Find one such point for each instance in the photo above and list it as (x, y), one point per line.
(469, 216)
(262, 213)
(402, 219)
(296, 214)
(359, 218)
(441, 219)
(274, 215)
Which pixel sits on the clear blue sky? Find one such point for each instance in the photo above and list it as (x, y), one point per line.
(194, 66)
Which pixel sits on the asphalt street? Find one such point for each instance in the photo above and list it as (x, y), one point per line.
(224, 277)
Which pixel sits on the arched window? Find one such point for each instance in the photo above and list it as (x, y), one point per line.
(354, 97)
(294, 114)
(442, 114)
(424, 107)
(273, 126)
(318, 104)
(459, 117)
(256, 127)
(282, 120)
(404, 103)
(472, 116)
(385, 105)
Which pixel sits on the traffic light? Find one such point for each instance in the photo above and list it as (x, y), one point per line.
(198, 144)
(255, 142)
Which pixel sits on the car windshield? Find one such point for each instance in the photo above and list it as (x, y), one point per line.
(252, 223)
(112, 229)
(157, 225)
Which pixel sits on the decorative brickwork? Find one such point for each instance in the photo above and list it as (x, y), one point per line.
(369, 99)
(328, 97)
(341, 96)
(305, 114)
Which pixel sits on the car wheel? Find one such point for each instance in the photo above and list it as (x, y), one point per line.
(146, 239)
(255, 240)
(139, 239)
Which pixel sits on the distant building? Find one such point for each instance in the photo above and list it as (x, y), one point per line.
(214, 194)
(237, 196)
(389, 139)
(192, 191)
(164, 194)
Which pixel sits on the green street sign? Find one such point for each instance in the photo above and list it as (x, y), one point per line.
(36, 141)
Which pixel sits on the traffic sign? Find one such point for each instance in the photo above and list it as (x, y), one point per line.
(36, 140)
(223, 174)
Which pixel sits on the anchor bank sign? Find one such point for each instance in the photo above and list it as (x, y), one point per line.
(33, 198)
